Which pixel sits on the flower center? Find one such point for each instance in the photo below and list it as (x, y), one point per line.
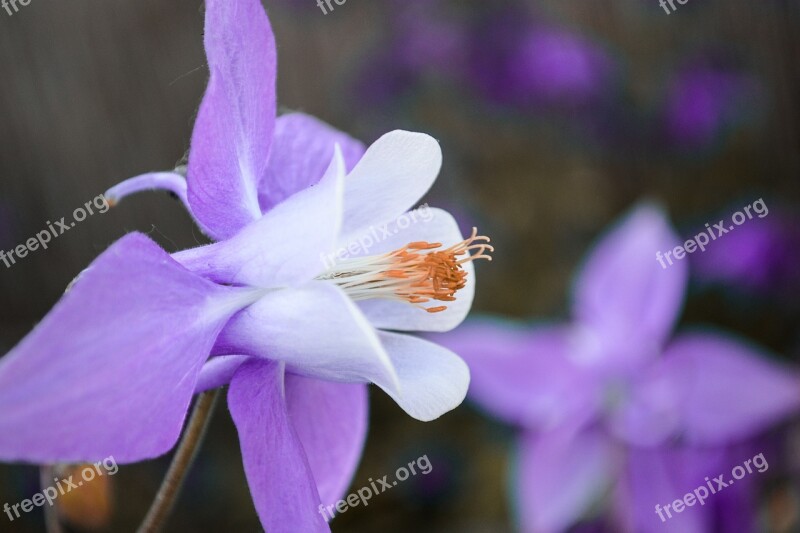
(417, 273)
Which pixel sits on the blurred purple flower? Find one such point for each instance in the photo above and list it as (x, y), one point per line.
(610, 396)
(517, 62)
(422, 39)
(702, 101)
(761, 255)
(136, 329)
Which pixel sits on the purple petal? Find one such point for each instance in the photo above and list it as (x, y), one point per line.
(657, 476)
(280, 478)
(560, 475)
(647, 412)
(234, 127)
(623, 293)
(112, 368)
(316, 330)
(433, 380)
(169, 181)
(286, 246)
(331, 421)
(524, 375)
(703, 100)
(727, 389)
(425, 224)
(301, 151)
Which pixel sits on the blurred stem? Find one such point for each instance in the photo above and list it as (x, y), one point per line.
(184, 457)
(51, 520)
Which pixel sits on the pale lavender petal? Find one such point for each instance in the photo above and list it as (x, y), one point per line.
(277, 469)
(424, 224)
(395, 172)
(301, 151)
(727, 389)
(112, 368)
(433, 380)
(234, 127)
(331, 421)
(169, 181)
(525, 376)
(218, 371)
(624, 293)
(286, 246)
(316, 330)
(560, 475)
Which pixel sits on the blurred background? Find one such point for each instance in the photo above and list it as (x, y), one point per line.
(555, 117)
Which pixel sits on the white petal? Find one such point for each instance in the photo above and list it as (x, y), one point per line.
(392, 176)
(284, 247)
(433, 380)
(426, 224)
(317, 330)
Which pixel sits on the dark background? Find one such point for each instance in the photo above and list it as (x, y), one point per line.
(94, 92)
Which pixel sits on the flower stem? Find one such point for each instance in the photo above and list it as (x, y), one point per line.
(51, 519)
(184, 457)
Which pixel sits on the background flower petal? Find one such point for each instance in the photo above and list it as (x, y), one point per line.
(524, 375)
(623, 292)
(561, 473)
(133, 331)
(727, 389)
(659, 476)
(278, 473)
(234, 127)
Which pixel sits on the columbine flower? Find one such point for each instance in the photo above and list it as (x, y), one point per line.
(137, 327)
(518, 62)
(759, 258)
(609, 397)
(703, 101)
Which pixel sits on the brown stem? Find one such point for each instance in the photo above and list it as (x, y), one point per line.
(184, 457)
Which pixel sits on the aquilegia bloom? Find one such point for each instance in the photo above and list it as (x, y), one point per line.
(522, 63)
(703, 101)
(136, 329)
(609, 397)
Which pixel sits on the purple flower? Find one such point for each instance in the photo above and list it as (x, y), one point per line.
(609, 396)
(760, 255)
(516, 62)
(702, 101)
(422, 39)
(270, 300)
